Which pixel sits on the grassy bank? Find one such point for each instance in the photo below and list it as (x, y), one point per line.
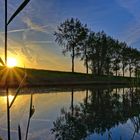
(36, 77)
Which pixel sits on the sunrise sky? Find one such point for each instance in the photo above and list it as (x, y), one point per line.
(30, 35)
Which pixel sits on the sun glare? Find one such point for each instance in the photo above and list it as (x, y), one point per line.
(11, 62)
(10, 98)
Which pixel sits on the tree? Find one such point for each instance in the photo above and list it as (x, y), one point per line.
(124, 59)
(87, 49)
(130, 57)
(136, 61)
(91, 56)
(70, 34)
(116, 57)
(98, 52)
(101, 53)
(84, 48)
(109, 55)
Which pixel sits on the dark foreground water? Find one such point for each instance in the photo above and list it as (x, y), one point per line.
(74, 114)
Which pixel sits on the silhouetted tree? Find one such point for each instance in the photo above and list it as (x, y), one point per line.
(124, 57)
(91, 55)
(136, 61)
(70, 34)
(130, 57)
(99, 53)
(102, 54)
(84, 49)
(116, 57)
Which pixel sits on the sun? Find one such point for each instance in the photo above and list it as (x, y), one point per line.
(11, 62)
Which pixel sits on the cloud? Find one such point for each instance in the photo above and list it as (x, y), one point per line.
(47, 29)
(25, 40)
(130, 6)
(41, 42)
(26, 29)
(2, 38)
(13, 51)
(132, 31)
(16, 49)
(33, 26)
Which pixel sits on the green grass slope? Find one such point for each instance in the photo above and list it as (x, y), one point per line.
(37, 77)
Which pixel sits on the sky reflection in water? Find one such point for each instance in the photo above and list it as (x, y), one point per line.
(96, 114)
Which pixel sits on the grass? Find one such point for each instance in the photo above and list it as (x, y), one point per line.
(48, 77)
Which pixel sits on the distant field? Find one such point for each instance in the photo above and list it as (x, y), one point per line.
(47, 77)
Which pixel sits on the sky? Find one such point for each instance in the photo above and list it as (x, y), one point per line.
(30, 34)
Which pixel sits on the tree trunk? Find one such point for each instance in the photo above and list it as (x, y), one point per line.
(116, 69)
(86, 99)
(73, 55)
(98, 68)
(130, 70)
(130, 73)
(72, 98)
(87, 68)
(86, 65)
(136, 73)
(123, 70)
(108, 72)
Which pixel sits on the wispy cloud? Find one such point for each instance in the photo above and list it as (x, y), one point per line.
(32, 55)
(30, 35)
(132, 31)
(131, 6)
(40, 42)
(17, 30)
(34, 26)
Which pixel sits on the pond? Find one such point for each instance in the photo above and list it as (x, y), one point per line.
(74, 113)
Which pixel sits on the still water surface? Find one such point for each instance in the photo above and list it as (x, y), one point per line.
(74, 114)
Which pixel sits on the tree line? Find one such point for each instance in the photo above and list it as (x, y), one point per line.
(100, 53)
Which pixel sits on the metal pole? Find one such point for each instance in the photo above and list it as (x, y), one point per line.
(5, 32)
(8, 111)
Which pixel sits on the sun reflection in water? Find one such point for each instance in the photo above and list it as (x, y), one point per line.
(10, 98)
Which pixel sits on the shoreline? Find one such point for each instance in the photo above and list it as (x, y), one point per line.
(72, 83)
(40, 78)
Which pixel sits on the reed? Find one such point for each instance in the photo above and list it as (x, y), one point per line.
(7, 22)
(31, 112)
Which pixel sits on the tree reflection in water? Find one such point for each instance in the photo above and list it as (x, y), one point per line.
(98, 113)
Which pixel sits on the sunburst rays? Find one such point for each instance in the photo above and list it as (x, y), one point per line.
(11, 76)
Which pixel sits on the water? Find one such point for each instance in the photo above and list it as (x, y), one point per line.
(74, 114)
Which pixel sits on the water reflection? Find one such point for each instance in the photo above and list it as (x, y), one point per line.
(95, 113)
(99, 113)
(10, 98)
